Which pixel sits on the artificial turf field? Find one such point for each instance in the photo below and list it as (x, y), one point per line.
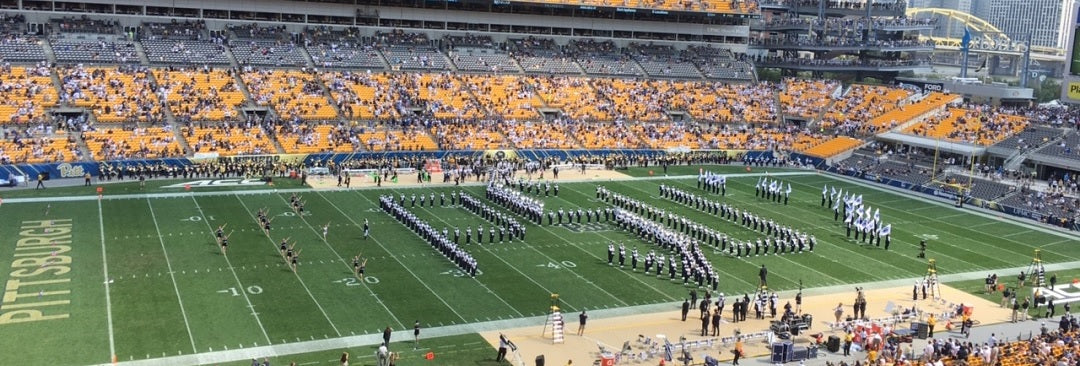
(143, 278)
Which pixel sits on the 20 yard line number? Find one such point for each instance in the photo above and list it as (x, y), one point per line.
(353, 281)
(253, 289)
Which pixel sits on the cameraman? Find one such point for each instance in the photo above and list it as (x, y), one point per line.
(504, 343)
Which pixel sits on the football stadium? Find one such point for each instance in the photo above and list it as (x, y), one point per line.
(535, 182)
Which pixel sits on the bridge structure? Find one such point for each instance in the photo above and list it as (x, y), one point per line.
(985, 37)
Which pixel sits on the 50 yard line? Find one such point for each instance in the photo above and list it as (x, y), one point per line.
(105, 269)
(172, 276)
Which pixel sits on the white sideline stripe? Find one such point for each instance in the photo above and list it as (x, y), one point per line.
(105, 270)
(237, 278)
(274, 245)
(301, 190)
(459, 329)
(168, 263)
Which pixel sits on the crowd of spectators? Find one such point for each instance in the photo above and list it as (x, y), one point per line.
(1068, 147)
(603, 58)
(362, 95)
(330, 48)
(669, 135)
(397, 137)
(504, 96)
(132, 143)
(577, 99)
(663, 60)
(1054, 115)
(542, 55)
(99, 51)
(251, 31)
(113, 94)
(463, 134)
(83, 24)
(719, 63)
(804, 98)
(292, 93)
(229, 138)
(554, 134)
(307, 137)
(860, 105)
(25, 92)
(906, 111)
(202, 94)
(15, 44)
(605, 135)
(174, 30)
(37, 144)
(978, 125)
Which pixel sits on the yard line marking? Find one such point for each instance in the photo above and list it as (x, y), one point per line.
(274, 245)
(344, 262)
(348, 217)
(1057, 242)
(237, 278)
(168, 263)
(105, 270)
(922, 208)
(985, 224)
(1025, 231)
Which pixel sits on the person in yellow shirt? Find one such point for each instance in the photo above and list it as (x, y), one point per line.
(738, 351)
(930, 322)
(848, 338)
(871, 356)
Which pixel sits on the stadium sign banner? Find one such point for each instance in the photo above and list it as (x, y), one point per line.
(80, 169)
(60, 170)
(1070, 86)
(920, 86)
(75, 169)
(947, 195)
(500, 154)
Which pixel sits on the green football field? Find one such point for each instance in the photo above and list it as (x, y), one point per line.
(140, 276)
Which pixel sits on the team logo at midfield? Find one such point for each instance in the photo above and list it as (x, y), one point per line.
(1062, 293)
(218, 183)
